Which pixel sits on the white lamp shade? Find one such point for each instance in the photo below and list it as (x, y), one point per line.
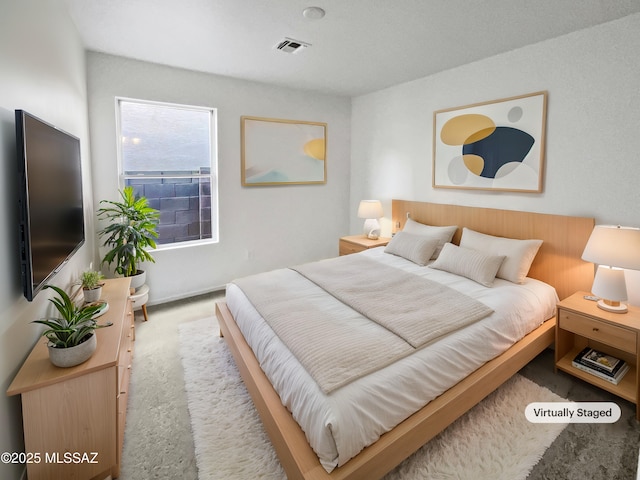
(609, 283)
(614, 246)
(370, 209)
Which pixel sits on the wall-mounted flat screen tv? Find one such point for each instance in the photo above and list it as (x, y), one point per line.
(51, 225)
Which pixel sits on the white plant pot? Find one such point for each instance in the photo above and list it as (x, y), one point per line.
(138, 280)
(72, 356)
(92, 295)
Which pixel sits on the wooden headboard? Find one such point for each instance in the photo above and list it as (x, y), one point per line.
(558, 261)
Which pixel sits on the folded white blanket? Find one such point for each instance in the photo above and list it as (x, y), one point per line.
(395, 313)
(416, 309)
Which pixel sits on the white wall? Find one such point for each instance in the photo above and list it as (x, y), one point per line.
(260, 227)
(592, 140)
(42, 70)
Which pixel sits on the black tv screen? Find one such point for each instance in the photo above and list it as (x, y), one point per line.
(50, 199)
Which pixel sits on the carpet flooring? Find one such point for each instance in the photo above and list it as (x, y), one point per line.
(159, 442)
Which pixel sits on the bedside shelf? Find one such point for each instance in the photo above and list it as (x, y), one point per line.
(580, 323)
(625, 389)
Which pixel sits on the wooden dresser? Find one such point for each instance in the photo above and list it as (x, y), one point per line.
(74, 417)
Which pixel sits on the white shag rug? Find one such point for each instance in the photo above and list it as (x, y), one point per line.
(494, 440)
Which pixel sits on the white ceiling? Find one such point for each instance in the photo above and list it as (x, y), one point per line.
(360, 46)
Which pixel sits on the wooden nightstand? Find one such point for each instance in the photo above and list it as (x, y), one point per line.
(581, 323)
(358, 243)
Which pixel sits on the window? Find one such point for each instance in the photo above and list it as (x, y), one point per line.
(168, 153)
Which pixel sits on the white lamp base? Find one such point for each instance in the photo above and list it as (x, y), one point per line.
(372, 228)
(615, 307)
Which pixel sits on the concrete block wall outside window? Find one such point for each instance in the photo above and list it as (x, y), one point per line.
(184, 204)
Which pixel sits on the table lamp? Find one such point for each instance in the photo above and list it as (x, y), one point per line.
(371, 210)
(612, 248)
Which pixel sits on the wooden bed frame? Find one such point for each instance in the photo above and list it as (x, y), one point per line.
(557, 263)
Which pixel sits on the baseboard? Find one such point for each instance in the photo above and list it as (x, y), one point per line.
(176, 298)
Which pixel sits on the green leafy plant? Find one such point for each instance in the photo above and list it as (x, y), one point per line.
(90, 279)
(75, 324)
(132, 230)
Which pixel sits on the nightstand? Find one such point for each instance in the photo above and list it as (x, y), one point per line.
(359, 243)
(581, 323)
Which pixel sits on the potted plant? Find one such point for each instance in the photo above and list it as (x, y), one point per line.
(71, 336)
(131, 232)
(91, 282)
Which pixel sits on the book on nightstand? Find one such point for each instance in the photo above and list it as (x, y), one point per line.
(600, 364)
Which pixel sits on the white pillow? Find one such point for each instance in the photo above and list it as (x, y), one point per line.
(416, 248)
(519, 253)
(443, 234)
(473, 264)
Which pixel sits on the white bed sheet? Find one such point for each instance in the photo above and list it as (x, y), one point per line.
(342, 423)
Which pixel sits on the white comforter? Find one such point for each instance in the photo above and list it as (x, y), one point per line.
(342, 423)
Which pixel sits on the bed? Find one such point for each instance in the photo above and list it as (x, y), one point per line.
(557, 263)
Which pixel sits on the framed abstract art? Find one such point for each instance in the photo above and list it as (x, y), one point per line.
(497, 145)
(282, 152)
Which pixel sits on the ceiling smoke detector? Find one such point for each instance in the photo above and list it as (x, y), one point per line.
(313, 13)
(289, 45)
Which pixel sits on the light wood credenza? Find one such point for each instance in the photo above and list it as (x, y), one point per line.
(74, 417)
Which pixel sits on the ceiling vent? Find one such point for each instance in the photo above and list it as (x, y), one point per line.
(289, 45)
